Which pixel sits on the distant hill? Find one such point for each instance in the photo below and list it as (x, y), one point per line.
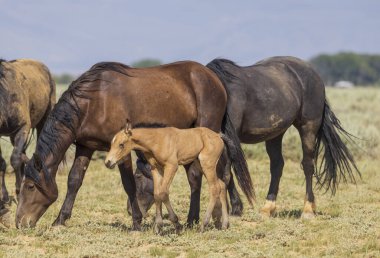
(360, 69)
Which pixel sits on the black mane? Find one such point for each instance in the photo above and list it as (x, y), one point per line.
(224, 74)
(67, 113)
(149, 125)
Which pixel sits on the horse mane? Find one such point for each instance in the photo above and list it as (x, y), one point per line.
(67, 112)
(3, 93)
(218, 66)
(149, 125)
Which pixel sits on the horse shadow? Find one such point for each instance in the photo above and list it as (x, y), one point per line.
(294, 213)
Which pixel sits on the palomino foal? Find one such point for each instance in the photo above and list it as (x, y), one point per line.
(165, 149)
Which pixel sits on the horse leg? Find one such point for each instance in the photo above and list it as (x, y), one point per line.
(74, 182)
(163, 194)
(194, 177)
(129, 184)
(157, 178)
(274, 150)
(214, 188)
(4, 197)
(19, 141)
(308, 134)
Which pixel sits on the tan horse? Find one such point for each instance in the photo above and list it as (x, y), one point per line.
(165, 149)
(27, 95)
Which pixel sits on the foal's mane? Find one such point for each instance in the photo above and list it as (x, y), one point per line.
(67, 113)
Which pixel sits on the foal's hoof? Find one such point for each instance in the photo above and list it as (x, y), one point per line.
(308, 215)
(157, 229)
(225, 226)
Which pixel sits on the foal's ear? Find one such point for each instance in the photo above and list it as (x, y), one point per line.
(128, 127)
(37, 162)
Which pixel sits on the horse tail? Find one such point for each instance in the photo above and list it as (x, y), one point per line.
(229, 135)
(337, 161)
(236, 154)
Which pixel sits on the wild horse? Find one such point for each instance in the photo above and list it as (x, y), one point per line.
(165, 148)
(94, 109)
(27, 95)
(264, 100)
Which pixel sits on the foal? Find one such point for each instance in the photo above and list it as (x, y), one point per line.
(165, 149)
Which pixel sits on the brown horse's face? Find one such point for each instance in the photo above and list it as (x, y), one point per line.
(121, 146)
(35, 197)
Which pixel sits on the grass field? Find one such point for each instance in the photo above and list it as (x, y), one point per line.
(348, 224)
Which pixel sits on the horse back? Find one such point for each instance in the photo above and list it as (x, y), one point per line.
(30, 88)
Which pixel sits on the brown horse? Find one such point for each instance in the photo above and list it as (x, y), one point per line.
(92, 111)
(264, 100)
(165, 149)
(27, 95)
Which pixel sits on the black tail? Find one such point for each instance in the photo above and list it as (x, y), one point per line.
(230, 136)
(337, 161)
(236, 155)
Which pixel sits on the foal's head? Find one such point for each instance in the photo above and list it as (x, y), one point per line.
(121, 146)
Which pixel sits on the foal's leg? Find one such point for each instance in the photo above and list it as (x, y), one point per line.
(169, 172)
(209, 171)
(308, 134)
(74, 182)
(274, 150)
(157, 178)
(223, 200)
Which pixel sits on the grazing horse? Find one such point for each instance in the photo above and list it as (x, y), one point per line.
(27, 95)
(165, 149)
(92, 110)
(264, 100)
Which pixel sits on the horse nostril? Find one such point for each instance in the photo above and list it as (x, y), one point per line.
(108, 163)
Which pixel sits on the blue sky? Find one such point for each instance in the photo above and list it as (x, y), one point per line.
(72, 35)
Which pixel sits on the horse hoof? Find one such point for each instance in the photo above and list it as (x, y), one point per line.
(225, 226)
(136, 227)
(308, 215)
(157, 229)
(237, 210)
(178, 228)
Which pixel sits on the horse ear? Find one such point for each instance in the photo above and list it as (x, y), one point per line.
(128, 127)
(37, 162)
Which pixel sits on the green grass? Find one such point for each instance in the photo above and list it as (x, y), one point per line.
(348, 223)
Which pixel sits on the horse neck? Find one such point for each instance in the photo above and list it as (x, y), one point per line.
(142, 139)
(52, 149)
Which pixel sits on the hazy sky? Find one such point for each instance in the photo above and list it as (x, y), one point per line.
(72, 35)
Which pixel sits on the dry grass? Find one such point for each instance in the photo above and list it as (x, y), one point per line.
(347, 224)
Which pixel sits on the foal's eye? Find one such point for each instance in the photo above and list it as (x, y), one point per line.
(121, 146)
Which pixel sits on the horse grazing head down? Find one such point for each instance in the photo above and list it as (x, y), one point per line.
(123, 141)
(38, 191)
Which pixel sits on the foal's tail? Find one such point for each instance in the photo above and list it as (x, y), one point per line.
(337, 161)
(236, 155)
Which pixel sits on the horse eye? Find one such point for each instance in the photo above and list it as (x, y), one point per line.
(121, 146)
(29, 187)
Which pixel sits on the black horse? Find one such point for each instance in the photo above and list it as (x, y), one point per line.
(264, 100)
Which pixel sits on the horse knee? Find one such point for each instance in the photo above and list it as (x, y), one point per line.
(161, 196)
